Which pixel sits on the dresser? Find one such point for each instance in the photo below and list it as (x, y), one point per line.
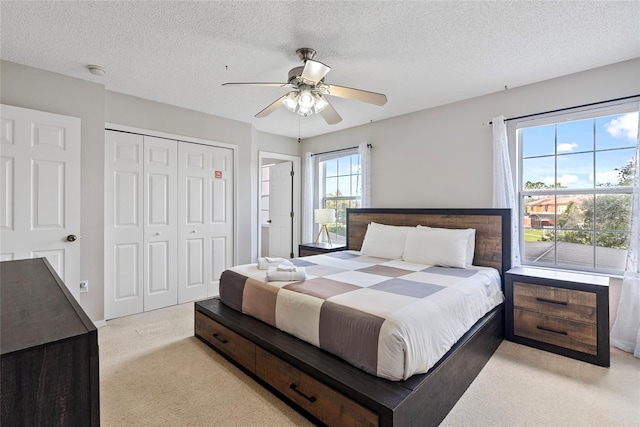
(49, 350)
(562, 312)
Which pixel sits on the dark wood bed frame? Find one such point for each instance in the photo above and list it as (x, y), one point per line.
(334, 387)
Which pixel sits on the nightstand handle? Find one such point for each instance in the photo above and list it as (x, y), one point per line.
(542, 328)
(550, 301)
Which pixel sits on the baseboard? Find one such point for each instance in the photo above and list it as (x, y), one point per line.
(100, 323)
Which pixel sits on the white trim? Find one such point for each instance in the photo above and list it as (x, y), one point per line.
(100, 323)
(159, 134)
(297, 190)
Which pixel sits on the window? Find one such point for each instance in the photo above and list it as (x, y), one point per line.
(339, 188)
(575, 190)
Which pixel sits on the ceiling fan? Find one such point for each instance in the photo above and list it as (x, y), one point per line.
(309, 92)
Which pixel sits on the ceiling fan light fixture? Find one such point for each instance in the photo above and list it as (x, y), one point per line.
(306, 99)
(320, 103)
(304, 111)
(291, 101)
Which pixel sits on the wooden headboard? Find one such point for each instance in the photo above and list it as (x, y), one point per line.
(493, 236)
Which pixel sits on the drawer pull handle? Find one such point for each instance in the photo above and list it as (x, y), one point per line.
(542, 328)
(550, 301)
(222, 340)
(309, 398)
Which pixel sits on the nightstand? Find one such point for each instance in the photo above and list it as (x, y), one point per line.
(565, 313)
(308, 249)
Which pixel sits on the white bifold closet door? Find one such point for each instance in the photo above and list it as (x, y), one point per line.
(205, 218)
(168, 221)
(141, 272)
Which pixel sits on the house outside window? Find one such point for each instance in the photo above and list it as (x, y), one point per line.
(339, 188)
(575, 186)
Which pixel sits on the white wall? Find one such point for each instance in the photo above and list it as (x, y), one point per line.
(28, 87)
(442, 157)
(416, 155)
(41, 90)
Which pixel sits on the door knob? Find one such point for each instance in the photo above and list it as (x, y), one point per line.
(71, 238)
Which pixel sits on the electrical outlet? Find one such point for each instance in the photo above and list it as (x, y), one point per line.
(84, 286)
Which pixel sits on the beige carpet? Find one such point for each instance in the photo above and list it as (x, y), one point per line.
(153, 372)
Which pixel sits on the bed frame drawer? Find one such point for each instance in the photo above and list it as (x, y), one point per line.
(324, 403)
(228, 342)
(577, 336)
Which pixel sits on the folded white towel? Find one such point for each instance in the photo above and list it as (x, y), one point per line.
(286, 267)
(286, 276)
(264, 263)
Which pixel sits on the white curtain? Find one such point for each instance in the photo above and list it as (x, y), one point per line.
(364, 149)
(504, 195)
(307, 201)
(625, 333)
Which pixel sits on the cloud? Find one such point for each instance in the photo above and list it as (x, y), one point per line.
(624, 127)
(564, 180)
(566, 146)
(608, 177)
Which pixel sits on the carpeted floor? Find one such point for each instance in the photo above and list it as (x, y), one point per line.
(153, 372)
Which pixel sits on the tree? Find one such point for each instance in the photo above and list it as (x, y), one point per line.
(539, 185)
(627, 172)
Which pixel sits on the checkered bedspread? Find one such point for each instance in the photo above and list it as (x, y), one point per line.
(390, 318)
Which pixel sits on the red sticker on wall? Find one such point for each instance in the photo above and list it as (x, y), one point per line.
(218, 174)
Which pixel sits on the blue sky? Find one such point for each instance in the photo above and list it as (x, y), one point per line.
(616, 135)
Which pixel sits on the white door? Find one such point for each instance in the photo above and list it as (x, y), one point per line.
(205, 218)
(280, 210)
(160, 253)
(124, 224)
(39, 190)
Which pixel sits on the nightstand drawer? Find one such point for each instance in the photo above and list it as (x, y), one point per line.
(563, 303)
(565, 333)
(304, 253)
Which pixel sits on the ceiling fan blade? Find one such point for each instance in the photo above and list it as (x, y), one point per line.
(258, 84)
(272, 107)
(314, 71)
(358, 94)
(329, 114)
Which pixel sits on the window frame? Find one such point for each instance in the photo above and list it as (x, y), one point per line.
(320, 187)
(515, 130)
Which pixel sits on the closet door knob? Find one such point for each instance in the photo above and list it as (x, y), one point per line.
(71, 238)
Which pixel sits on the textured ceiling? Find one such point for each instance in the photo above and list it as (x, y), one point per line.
(420, 54)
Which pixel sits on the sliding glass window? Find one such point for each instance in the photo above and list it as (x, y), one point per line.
(339, 187)
(575, 177)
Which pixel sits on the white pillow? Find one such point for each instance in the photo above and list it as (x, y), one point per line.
(437, 246)
(384, 241)
(471, 243)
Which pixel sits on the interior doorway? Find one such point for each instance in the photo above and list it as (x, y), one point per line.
(278, 205)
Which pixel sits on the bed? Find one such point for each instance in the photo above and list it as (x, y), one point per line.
(353, 390)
